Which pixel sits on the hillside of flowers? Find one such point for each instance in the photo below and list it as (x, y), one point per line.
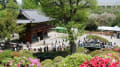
(97, 58)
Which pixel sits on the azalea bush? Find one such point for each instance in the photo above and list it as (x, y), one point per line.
(100, 62)
(13, 54)
(117, 49)
(98, 58)
(101, 52)
(1, 51)
(5, 54)
(26, 53)
(82, 50)
(22, 62)
(57, 61)
(115, 56)
(74, 60)
(93, 53)
(47, 63)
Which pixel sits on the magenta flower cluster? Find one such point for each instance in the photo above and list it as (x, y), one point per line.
(100, 62)
(1, 51)
(28, 62)
(34, 62)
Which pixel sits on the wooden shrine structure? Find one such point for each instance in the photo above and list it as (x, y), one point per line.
(36, 27)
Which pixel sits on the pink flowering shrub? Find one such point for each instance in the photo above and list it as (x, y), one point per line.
(116, 49)
(115, 56)
(1, 51)
(100, 62)
(34, 62)
(24, 62)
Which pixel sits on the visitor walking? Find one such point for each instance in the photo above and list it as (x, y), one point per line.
(44, 42)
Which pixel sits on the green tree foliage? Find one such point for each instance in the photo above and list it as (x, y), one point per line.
(117, 21)
(103, 19)
(74, 60)
(68, 13)
(3, 4)
(8, 19)
(92, 24)
(30, 4)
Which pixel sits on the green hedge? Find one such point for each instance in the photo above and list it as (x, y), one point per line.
(101, 52)
(26, 53)
(47, 63)
(5, 54)
(51, 55)
(57, 61)
(97, 37)
(75, 60)
(81, 50)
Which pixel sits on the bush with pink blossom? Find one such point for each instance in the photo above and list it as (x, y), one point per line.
(23, 62)
(1, 51)
(115, 56)
(100, 62)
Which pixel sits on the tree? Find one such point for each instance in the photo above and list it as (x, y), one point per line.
(30, 4)
(105, 19)
(3, 4)
(69, 13)
(92, 24)
(116, 21)
(8, 21)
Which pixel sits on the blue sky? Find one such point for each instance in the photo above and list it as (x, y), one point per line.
(108, 0)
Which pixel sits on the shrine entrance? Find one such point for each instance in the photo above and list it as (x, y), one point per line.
(40, 34)
(45, 35)
(34, 39)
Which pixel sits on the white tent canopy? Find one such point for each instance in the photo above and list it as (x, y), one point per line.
(116, 28)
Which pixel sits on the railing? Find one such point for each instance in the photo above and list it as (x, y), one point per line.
(91, 45)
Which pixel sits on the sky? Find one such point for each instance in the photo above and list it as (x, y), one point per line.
(19, 2)
(99, 1)
(107, 0)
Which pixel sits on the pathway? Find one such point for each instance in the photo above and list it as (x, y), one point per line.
(53, 36)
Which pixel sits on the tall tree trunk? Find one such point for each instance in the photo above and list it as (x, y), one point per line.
(72, 42)
(72, 47)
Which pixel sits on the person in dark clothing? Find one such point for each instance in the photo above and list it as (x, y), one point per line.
(40, 49)
(79, 42)
(44, 42)
(56, 42)
(44, 49)
(34, 49)
(47, 48)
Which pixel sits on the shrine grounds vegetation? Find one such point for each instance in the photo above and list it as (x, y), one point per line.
(79, 59)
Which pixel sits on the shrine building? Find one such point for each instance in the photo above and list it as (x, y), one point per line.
(36, 27)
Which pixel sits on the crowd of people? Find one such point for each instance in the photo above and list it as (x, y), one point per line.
(115, 36)
(96, 43)
(61, 44)
(57, 45)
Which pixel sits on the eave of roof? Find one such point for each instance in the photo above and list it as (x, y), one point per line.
(34, 16)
